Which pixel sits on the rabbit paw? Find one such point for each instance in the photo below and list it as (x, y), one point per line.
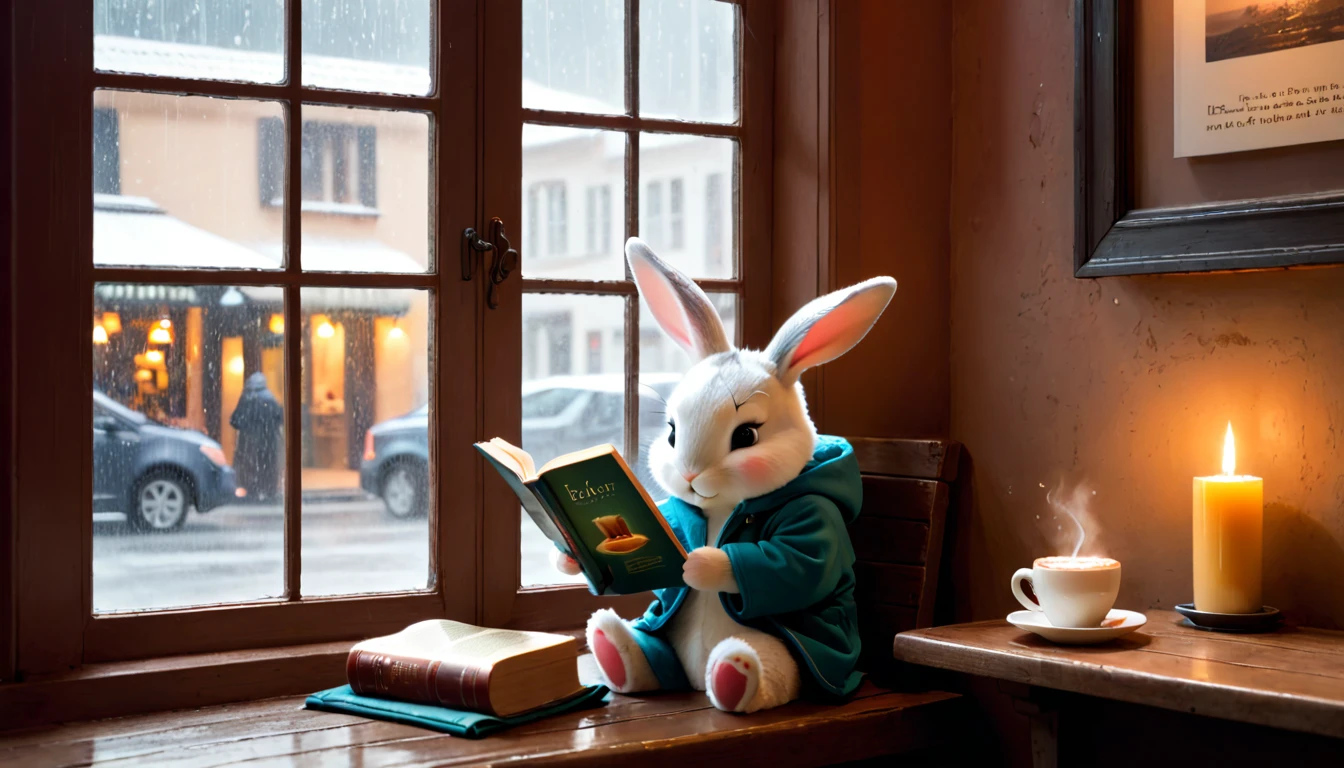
(618, 655)
(709, 570)
(742, 677)
(564, 563)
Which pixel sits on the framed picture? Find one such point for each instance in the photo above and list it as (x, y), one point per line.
(1117, 230)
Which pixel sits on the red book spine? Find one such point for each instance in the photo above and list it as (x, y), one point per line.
(430, 682)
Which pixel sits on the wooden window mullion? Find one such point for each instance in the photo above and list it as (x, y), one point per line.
(293, 195)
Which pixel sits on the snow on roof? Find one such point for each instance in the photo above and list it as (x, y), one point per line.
(204, 62)
(329, 254)
(134, 231)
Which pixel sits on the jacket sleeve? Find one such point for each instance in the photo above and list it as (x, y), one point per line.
(795, 566)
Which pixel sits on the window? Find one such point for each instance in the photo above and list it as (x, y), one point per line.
(339, 165)
(214, 284)
(546, 212)
(653, 131)
(677, 214)
(106, 152)
(594, 351)
(715, 247)
(599, 219)
(557, 219)
(653, 214)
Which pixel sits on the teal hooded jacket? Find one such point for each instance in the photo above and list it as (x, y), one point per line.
(794, 566)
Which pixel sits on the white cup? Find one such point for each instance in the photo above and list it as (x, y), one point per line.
(1073, 591)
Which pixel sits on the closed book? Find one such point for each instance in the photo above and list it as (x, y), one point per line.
(596, 511)
(500, 672)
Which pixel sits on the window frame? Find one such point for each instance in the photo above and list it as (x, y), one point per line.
(505, 601)
(53, 625)
(46, 621)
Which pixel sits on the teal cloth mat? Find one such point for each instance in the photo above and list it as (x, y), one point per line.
(471, 725)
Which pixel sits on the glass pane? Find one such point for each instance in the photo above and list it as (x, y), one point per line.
(573, 203)
(688, 60)
(188, 455)
(574, 55)
(365, 190)
(661, 365)
(160, 201)
(573, 394)
(199, 39)
(366, 470)
(687, 201)
(367, 45)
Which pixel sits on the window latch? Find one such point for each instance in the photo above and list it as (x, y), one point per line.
(503, 264)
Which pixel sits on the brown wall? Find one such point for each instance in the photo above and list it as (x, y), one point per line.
(890, 159)
(1125, 383)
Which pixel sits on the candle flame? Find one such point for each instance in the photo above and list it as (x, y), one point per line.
(1229, 453)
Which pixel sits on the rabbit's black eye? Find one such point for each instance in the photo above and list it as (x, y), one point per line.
(672, 436)
(746, 436)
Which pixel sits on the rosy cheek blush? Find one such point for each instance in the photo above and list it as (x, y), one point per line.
(754, 468)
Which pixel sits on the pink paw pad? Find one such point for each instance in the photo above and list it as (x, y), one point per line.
(729, 684)
(609, 659)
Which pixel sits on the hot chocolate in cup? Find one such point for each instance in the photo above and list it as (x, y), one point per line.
(1072, 591)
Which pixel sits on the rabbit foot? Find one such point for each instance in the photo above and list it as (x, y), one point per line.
(618, 655)
(742, 677)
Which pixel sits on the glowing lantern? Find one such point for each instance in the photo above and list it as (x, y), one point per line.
(111, 322)
(277, 324)
(99, 334)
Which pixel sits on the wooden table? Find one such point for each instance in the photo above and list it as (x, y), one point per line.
(1291, 679)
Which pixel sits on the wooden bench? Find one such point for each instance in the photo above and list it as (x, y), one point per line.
(898, 540)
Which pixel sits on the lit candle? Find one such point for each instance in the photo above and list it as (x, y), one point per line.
(1229, 527)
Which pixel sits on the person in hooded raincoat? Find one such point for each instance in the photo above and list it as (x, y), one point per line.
(259, 419)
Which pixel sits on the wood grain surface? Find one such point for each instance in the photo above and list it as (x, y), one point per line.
(1292, 678)
(657, 730)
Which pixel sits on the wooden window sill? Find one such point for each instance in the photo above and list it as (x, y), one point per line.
(170, 682)
(113, 689)
(655, 730)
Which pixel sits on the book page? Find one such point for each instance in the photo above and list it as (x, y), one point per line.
(441, 639)
(577, 456)
(511, 457)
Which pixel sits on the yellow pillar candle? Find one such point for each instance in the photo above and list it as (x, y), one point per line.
(1229, 528)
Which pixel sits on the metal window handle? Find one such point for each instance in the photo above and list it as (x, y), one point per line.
(503, 264)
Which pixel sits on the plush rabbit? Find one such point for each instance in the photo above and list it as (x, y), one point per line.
(758, 499)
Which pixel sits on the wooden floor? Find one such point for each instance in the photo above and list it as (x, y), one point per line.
(657, 730)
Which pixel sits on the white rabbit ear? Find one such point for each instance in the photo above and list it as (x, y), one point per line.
(680, 307)
(828, 327)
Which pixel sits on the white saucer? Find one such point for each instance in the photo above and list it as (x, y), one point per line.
(1035, 622)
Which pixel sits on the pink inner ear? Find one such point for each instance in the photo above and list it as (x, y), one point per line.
(662, 301)
(826, 332)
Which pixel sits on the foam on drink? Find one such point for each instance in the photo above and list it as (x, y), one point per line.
(1067, 563)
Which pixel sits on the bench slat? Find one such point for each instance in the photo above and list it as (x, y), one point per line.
(886, 540)
(903, 497)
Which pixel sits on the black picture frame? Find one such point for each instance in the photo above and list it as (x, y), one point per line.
(1113, 238)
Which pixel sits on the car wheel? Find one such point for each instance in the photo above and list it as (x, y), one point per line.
(405, 490)
(159, 503)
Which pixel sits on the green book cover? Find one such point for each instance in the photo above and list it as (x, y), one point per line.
(590, 504)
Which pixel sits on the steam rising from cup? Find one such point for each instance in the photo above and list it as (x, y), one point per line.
(1073, 503)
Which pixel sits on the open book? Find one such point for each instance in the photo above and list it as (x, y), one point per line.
(590, 504)
(460, 666)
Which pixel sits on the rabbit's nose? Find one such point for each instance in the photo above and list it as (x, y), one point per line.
(689, 477)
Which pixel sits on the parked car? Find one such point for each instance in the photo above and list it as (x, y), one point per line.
(151, 472)
(559, 414)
